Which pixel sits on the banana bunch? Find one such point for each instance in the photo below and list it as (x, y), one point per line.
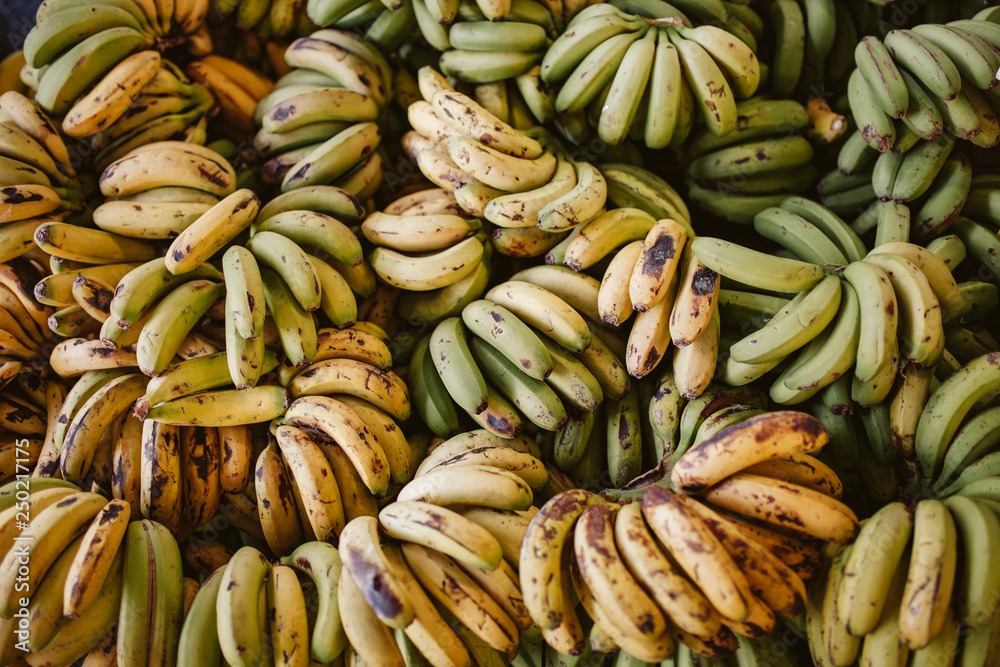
(532, 356)
(647, 70)
(237, 90)
(168, 106)
(308, 485)
(757, 165)
(874, 600)
(39, 184)
(673, 570)
(250, 611)
(454, 537)
(497, 172)
(935, 79)
(851, 308)
(676, 298)
(73, 47)
(87, 562)
(317, 122)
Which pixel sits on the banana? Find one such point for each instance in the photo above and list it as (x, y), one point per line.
(604, 233)
(600, 564)
(37, 125)
(191, 376)
(828, 356)
(279, 518)
(168, 164)
(977, 526)
(921, 333)
(415, 233)
(90, 245)
(533, 397)
(316, 106)
(878, 318)
(569, 50)
(945, 198)
(973, 56)
(223, 408)
(934, 269)
(239, 627)
(326, 199)
(577, 289)
(919, 168)
(507, 527)
(580, 204)
(110, 98)
(141, 288)
(656, 264)
(335, 158)
(614, 297)
(712, 91)
(698, 552)
(695, 304)
(875, 125)
(542, 575)
(868, 573)
(625, 95)
(684, 603)
(756, 269)
(926, 61)
(317, 488)
(883, 77)
(371, 642)
(970, 443)
(211, 232)
(95, 558)
(443, 530)
(808, 511)
(539, 308)
(743, 445)
(345, 427)
(455, 366)
(475, 484)
(429, 272)
(931, 575)
(804, 321)
(244, 291)
(171, 320)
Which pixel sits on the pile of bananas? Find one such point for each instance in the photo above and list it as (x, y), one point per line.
(613, 59)
(317, 339)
